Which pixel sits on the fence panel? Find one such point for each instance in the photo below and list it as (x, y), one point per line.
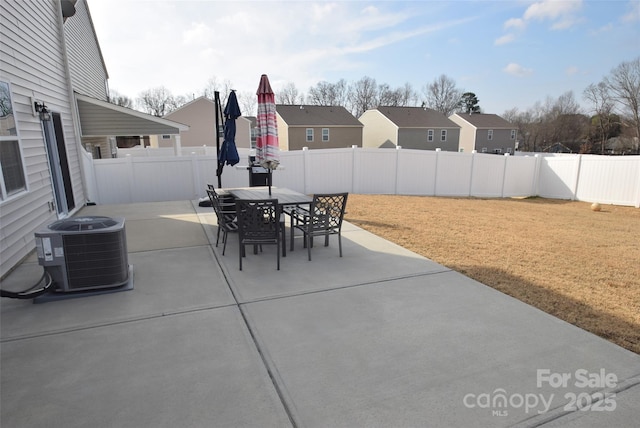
(417, 172)
(329, 171)
(162, 179)
(487, 175)
(291, 175)
(453, 173)
(558, 177)
(612, 180)
(114, 181)
(375, 171)
(519, 176)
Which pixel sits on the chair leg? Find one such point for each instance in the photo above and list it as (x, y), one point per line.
(278, 253)
(291, 232)
(340, 243)
(240, 250)
(308, 241)
(224, 242)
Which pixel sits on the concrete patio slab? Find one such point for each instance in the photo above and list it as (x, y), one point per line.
(423, 351)
(196, 369)
(365, 259)
(380, 337)
(165, 281)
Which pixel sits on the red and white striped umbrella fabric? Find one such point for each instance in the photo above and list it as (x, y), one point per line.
(267, 149)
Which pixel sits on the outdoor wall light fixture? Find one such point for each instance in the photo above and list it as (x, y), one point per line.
(42, 110)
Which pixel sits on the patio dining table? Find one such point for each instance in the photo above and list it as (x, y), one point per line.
(286, 198)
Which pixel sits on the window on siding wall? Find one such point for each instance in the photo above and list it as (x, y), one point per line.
(13, 179)
(325, 134)
(430, 135)
(443, 135)
(490, 134)
(309, 135)
(513, 134)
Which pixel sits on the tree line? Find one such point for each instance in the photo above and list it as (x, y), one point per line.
(613, 107)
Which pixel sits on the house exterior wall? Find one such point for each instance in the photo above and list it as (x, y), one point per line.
(501, 141)
(283, 133)
(32, 52)
(86, 65)
(467, 138)
(416, 138)
(200, 115)
(378, 131)
(339, 137)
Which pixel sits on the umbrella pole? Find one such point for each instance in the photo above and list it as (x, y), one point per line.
(216, 99)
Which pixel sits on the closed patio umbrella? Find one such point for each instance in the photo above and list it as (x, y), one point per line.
(267, 150)
(229, 152)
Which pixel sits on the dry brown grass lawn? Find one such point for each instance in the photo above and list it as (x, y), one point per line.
(559, 256)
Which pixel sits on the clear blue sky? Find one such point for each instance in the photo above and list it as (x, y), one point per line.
(509, 53)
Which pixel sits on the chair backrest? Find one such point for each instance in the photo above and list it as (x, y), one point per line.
(217, 208)
(327, 210)
(258, 218)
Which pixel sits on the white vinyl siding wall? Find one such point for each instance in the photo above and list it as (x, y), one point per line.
(31, 48)
(86, 65)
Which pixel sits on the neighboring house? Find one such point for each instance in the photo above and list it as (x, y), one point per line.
(53, 92)
(317, 127)
(485, 133)
(200, 116)
(409, 127)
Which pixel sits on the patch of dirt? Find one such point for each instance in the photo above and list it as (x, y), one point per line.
(576, 264)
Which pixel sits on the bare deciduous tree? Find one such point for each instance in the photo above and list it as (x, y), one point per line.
(402, 96)
(328, 94)
(248, 103)
(156, 101)
(214, 85)
(289, 95)
(603, 120)
(120, 100)
(442, 95)
(624, 84)
(363, 96)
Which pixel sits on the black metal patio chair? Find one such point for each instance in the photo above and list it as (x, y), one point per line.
(226, 215)
(259, 223)
(323, 218)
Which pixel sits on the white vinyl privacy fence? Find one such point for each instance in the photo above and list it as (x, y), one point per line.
(606, 179)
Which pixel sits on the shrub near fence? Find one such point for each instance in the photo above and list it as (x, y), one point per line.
(609, 180)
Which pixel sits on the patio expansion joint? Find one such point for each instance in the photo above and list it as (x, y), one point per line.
(559, 413)
(112, 323)
(344, 287)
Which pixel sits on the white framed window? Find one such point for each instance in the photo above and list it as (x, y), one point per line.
(484, 150)
(509, 150)
(513, 134)
(430, 135)
(443, 135)
(497, 151)
(166, 137)
(490, 134)
(13, 177)
(325, 134)
(309, 135)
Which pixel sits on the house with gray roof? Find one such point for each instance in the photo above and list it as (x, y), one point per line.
(317, 127)
(486, 133)
(409, 127)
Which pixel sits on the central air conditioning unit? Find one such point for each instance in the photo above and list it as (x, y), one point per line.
(84, 253)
